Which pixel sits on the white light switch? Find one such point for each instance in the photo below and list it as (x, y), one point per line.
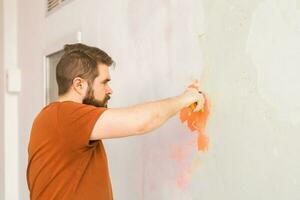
(14, 80)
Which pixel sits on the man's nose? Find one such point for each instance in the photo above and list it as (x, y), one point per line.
(108, 90)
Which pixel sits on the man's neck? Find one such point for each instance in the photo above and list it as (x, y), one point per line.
(66, 98)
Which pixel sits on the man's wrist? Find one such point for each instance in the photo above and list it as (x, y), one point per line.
(184, 100)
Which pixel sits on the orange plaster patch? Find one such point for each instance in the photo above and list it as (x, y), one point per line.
(196, 121)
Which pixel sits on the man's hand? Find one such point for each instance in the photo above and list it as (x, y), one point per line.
(192, 95)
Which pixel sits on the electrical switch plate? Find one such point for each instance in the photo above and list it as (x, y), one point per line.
(14, 80)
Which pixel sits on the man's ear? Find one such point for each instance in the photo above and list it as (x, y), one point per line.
(80, 85)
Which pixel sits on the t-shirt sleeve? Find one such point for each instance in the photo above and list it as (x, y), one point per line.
(76, 122)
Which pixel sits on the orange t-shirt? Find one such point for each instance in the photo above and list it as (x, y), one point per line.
(63, 164)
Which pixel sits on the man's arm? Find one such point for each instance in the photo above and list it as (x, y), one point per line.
(142, 118)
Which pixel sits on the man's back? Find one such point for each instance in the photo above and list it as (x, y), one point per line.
(63, 162)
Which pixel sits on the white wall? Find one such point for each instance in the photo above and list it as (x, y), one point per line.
(9, 102)
(239, 49)
(31, 38)
(1, 105)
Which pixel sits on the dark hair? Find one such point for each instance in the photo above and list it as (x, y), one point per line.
(82, 61)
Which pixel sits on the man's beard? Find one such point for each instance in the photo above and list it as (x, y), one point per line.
(89, 99)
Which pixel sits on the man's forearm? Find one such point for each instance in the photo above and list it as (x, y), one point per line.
(156, 113)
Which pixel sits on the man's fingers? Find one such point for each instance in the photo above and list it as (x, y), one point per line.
(198, 107)
(200, 104)
(194, 84)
